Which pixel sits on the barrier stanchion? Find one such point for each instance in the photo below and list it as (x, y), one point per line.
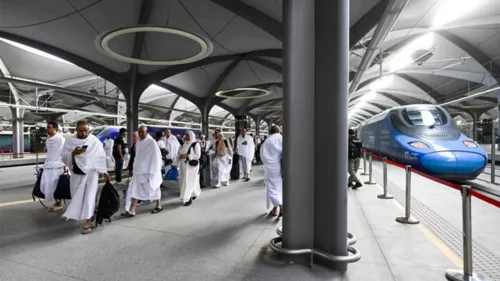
(364, 164)
(467, 273)
(407, 218)
(493, 160)
(370, 171)
(385, 195)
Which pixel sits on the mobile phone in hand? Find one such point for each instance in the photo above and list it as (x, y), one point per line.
(85, 146)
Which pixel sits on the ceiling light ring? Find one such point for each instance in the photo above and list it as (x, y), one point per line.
(263, 92)
(102, 43)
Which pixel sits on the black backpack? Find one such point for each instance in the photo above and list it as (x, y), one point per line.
(37, 192)
(354, 148)
(63, 190)
(109, 204)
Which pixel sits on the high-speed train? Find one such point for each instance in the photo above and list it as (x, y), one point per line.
(425, 137)
(102, 132)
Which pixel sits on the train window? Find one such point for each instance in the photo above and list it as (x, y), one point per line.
(424, 117)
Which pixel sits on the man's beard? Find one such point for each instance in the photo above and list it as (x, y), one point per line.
(82, 138)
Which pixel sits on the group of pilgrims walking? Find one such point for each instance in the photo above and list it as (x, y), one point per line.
(86, 159)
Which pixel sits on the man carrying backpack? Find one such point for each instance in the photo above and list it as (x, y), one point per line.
(354, 159)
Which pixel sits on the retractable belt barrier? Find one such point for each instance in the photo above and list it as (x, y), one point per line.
(467, 192)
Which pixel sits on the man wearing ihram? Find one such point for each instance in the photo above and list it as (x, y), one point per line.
(84, 154)
(147, 179)
(53, 167)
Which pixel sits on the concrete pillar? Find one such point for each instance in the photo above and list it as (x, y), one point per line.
(240, 122)
(205, 123)
(316, 52)
(17, 132)
(475, 118)
(257, 127)
(498, 127)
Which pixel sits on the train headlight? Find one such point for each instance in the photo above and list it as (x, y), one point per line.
(470, 143)
(418, 144)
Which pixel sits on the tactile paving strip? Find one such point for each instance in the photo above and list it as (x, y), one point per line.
(485, 261)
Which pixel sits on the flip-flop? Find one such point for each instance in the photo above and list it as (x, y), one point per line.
(55, 208)
(88, 229)
(157, 210)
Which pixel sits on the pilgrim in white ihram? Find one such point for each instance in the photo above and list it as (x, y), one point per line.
(53, 166)
(84, 188)
(172, 146)
(246, 151)
(189, 177)
(147, 179)
(223, 152)
(271, 153)
(108, 149)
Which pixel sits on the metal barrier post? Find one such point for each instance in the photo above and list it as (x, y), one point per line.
(385, 195)
(467, 273)
(364, 164)
(370, 169)
(407, 218)
(493, 156)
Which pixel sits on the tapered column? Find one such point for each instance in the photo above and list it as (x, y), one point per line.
(474, 125)
(331, 126)
(240, 122)
(204, 123)
(17, 132)
(298, 112)
(315, 81)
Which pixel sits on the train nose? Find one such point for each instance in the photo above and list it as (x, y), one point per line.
(439, 162)
(453, 162)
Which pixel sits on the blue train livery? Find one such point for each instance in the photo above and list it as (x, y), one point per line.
(102, 132)
(425, 137)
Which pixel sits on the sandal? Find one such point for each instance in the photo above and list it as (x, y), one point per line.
(127, 215)
(87, 229)
(157, 210)
(56, 208)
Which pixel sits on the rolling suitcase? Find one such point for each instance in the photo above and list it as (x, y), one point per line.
(205, 177)
(235, 170)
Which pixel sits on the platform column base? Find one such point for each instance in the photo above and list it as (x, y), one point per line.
(385, 196)
(458, 275)
(406, 220)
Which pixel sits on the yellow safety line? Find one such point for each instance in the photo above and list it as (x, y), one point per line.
(13, 203)
(456, 260)
(436, 241)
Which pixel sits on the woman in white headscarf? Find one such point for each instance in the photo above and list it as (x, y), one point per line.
(223, 157)
(189, 166)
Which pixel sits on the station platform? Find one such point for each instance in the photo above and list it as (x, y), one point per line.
(224, 235)
(6, 160)
(439, 208)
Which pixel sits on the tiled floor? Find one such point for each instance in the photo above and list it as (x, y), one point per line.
(222, 236)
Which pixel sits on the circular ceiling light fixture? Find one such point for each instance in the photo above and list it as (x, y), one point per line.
(260, 93)
(269, 108)
(102, 43)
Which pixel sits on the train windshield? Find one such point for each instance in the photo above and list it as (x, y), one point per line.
(96, 131)
(433, 117)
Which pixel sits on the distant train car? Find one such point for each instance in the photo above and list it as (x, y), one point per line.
(102, 132)
(6, 142)
(425, 137)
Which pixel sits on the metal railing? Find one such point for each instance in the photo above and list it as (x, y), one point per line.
(274, 244)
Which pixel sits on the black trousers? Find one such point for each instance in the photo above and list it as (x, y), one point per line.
(118, 169)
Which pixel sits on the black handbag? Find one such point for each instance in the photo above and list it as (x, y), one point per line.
(193, 163)
(63, 191)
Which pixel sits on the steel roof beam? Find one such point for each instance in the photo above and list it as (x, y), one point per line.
(256, 17)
